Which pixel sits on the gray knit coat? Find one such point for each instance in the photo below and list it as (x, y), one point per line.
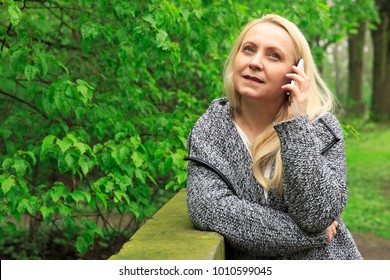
(290, 225)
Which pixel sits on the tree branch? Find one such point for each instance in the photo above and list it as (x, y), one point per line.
(59, 7)
(5, 37)
(24, 102)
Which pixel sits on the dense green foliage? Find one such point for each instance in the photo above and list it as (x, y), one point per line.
(97, 99)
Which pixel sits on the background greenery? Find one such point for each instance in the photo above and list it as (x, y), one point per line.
(97, 99)
(368, 162)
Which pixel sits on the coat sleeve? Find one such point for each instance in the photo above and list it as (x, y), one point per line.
(314, 180)
(250, 228)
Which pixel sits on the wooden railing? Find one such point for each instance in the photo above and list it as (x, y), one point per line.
(169, 235)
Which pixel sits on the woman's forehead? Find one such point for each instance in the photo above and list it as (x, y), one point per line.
(269, 35)
(268, 32)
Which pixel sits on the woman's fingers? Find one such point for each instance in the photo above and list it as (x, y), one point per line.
(297, 92)
(331, 230)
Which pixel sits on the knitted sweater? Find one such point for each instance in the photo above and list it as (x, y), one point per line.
(290, 225)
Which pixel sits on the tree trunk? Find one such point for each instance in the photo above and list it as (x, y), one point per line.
(338, 74)
(356, 42)
(380, 107)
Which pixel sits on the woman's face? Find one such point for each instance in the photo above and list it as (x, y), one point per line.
(264, 58)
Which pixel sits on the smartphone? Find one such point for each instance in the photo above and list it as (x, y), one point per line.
(300, 65)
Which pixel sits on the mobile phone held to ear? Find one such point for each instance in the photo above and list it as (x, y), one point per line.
(300, 65)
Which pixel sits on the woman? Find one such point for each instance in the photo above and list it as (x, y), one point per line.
(267, 164)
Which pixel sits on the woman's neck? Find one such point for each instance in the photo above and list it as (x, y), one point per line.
(255, 117)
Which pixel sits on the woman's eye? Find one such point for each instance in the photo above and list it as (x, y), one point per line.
(249, 49)
(275, 55)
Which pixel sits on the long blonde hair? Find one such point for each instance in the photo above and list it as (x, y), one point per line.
(266, 147)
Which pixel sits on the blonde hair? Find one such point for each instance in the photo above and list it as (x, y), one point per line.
(266, 147)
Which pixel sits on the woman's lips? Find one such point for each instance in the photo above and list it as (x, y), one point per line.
(247, 77)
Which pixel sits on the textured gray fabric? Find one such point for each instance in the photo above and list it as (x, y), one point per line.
(287, 226)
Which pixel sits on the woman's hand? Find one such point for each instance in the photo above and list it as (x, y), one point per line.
(331, 230)
(299, 92)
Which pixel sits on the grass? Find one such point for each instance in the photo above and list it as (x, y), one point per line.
(368, 159)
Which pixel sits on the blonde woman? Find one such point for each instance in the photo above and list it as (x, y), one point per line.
(267, 164)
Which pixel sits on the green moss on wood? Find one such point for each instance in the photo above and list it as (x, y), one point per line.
(169, 235)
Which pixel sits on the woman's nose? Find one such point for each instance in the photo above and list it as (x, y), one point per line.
(256, 63)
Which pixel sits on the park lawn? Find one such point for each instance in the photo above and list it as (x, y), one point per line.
(368, 179)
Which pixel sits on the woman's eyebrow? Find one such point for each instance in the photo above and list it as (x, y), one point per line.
(248, 43)
(271, 47)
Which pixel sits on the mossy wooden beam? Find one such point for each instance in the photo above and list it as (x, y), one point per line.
(169, 235)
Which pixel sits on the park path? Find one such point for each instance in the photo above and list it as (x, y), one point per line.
(373, 247)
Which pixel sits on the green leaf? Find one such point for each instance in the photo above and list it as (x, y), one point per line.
(31, 155)
(87, 196)
(7, 184)
(6, 133)
(33, 205)
(168, 164)
(47, 145)
(47, 213)
(137, 159)
(81, 245)
(64, 144)
(117, 157)
(80, 113)
(62, 165)
(183, 141)
(349, 129)
(169, 185)
(42, 64)
(84, 165)
(7, 163)
(135, 141)
(30, 71)
(122, 208)
(59, 63)
(140, 174)
(89, 30)
(119, 136)
(57, 191)
(64, 210)
(162, 40)
(77, 195)
(98, 231)
(92, 229)
(69, 223)
(118, 195)
(82, 89)
(20, 166)
(103, 198)
(86, 91)
(89, 236)
(72, 138)
(15, 13)
(135, 210)
(181, 177)
(109, 187)
(151, 178)
(69, 161)
(22, 206)
(82, 147)
(150, 19)
(23, 183)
